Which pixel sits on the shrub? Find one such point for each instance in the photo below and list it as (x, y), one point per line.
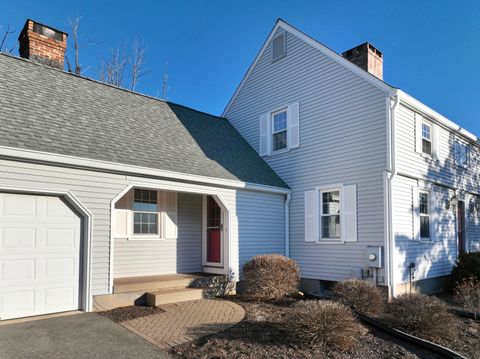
(467, 293)
(421, 315)
(322, 324)
(271, 277)
(467, 265)
(363, 297)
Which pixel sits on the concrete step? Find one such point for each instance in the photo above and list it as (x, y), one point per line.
(172, 295)
(150, 283)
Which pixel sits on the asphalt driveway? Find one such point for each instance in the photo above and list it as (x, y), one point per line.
(78, 336)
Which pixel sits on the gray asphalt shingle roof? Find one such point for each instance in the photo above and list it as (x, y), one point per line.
(52, 111)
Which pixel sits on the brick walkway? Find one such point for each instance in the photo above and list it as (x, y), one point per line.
(187, 321)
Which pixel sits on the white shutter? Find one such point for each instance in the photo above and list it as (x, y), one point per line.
(416, 213)
(349, 213)
(293, 125)
(121, 223)
(170, 215)
(418, 133)
(311, 216)
(435, 216)
(436, 143)
(265, 134)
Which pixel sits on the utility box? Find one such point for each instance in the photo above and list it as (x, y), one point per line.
(374, 256)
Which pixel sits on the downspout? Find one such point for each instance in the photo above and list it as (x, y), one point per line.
(393, 100)
(287, 224)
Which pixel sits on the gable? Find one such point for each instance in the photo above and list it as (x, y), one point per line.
(265, 51)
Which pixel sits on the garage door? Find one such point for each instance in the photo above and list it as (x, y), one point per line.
(39, 256)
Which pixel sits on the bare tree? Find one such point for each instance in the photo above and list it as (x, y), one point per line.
(112, 71)
(77, 44)
(6, 33)
(165, 87)
(74, 24)
(137, 62)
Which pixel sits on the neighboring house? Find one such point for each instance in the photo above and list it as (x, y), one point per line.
(383, 187)
(99, 183)
(353, 178)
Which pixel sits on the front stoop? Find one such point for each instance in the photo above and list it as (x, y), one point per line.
(161, 289)
(148, 283)
(173, 295)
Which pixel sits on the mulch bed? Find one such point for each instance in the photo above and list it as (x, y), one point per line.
(124, 314)
(468, 341)
(261, 335)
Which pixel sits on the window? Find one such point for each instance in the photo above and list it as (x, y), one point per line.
(426, 138)
(424, 215)
(145, 212)
(279, 130)
(330, 214)
(461, 154)
(278, 46)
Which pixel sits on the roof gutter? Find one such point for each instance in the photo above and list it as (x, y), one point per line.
(25, 155)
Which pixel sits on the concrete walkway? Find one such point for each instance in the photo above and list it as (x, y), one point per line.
(79, 336)
(183, 322)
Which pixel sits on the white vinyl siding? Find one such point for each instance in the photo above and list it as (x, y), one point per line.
(342, 139)
(435, 257)
(96, 190)
(171, 255)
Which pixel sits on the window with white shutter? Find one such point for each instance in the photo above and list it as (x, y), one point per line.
(280, 130)
(331, 214)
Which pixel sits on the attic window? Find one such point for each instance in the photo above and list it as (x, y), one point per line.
(278, 46)
(45, 31)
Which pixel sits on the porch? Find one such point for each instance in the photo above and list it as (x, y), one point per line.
(163, 232)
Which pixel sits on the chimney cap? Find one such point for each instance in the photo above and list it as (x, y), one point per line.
(25, 28)
(367, 45)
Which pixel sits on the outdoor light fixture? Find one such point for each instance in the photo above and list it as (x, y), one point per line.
(454, 201)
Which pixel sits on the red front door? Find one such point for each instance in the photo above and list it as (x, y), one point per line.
(214, 231)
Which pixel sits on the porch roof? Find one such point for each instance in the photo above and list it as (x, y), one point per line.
(48, 110)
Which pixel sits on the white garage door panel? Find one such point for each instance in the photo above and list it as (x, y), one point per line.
(40, 248)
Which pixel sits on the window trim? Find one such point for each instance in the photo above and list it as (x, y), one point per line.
(284, 34)
(431, 140)
(429, 215)
(158, 212)
(273, 132)
(327, 189)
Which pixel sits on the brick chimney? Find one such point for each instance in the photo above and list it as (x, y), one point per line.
(43, 44)
(367, 57)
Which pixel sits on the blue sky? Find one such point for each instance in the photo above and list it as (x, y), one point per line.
(431, 48)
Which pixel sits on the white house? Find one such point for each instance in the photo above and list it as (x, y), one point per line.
(315, 158)
(383, 187)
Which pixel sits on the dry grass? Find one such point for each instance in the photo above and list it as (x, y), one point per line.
(323, 324)
(361, 296)
(271, 277)
(421, 315)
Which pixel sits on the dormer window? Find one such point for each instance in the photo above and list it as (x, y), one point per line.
(279, 46)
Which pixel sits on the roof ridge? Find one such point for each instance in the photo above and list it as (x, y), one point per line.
(108, 85)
